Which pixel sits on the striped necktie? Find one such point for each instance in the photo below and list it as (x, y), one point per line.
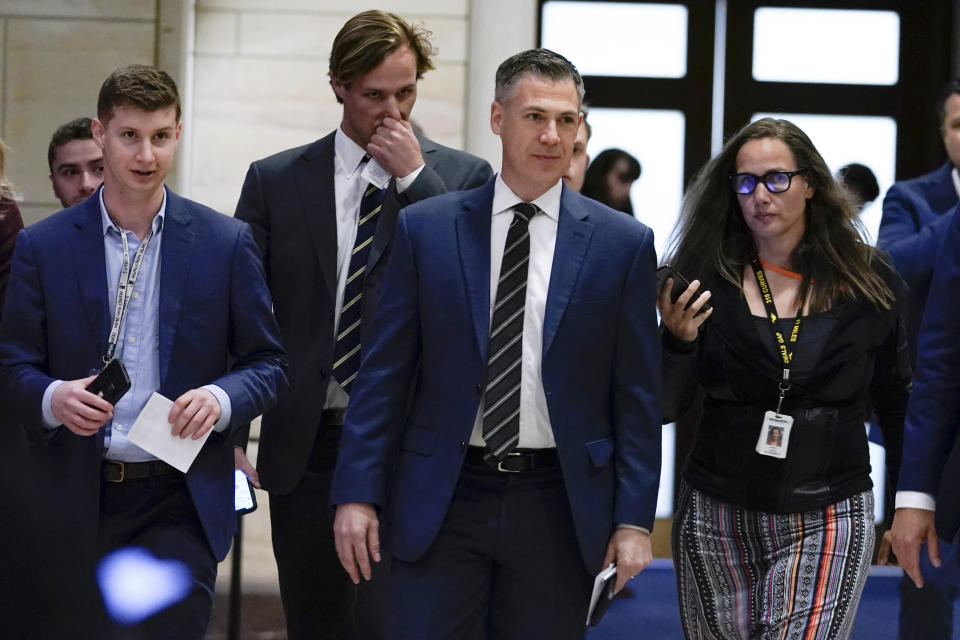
(346, 359)
(501, 400)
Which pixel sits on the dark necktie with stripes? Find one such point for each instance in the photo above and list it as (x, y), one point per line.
(346, 359)
(501, 400)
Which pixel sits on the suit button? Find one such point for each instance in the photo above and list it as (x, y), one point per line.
(478, 388)
(463, 446)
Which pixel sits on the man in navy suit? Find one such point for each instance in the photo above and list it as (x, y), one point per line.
(174, 290)
(304, 206)
(916, 216)
(930, 465)
(509, 392)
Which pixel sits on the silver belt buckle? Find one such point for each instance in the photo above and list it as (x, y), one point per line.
(509, 455)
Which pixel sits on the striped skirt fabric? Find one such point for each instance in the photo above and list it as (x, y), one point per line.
(744, 574)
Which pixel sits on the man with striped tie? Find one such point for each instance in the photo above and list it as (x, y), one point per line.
(323, 216)
(509, 391)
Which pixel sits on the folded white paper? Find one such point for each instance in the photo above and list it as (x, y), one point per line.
(151, 432)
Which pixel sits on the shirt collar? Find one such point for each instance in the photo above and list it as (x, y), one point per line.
(504, 198)
(955, 174)
(348, 153)
(110, 224)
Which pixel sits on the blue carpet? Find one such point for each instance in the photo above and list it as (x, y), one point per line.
(650, 609)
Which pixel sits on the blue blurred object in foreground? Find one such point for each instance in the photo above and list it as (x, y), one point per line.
(135, 585)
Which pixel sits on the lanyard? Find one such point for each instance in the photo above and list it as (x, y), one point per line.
(128, 278)
(780, 343)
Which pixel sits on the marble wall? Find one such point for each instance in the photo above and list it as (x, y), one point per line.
(253, 76)
(260, 82)
(53, 57)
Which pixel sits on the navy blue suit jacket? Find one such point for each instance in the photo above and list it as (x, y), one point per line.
(216, 326)
(912, 229)
(930, 455)
(600, 369)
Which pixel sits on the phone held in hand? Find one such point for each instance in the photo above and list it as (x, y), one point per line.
(244, 498)
(112, 382)
(680, 285)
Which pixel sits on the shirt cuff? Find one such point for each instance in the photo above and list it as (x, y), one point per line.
(225, 407)
(915, 500)
(405, 182)
(634, 527)
(46, 406)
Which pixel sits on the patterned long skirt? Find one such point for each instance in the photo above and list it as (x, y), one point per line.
(744, 574)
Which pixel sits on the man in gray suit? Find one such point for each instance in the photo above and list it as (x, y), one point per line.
(324, 216)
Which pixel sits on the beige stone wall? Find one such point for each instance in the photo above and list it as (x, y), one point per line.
(53, 57)
(260, 83)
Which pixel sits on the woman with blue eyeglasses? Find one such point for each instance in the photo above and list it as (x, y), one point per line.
(773, 533)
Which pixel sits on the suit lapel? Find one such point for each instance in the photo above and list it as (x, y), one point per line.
(318, 203)
(573, 238)
(90, 266)
(473, 240)
(176, 251)
(385, 225)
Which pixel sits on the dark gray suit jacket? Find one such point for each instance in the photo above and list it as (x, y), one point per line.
(289, 201)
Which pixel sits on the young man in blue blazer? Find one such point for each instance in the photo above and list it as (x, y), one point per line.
(174, 290)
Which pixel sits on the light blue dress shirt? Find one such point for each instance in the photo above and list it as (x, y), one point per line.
(138, 342)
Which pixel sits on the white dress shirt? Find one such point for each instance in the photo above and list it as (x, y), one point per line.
(535, 429)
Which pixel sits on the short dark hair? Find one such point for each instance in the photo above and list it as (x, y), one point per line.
(138, 85)
(859, 179)
(368, 37)
(540, 62)
(947, 90)
(78, 129)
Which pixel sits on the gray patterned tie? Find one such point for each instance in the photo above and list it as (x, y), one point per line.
(501, 400)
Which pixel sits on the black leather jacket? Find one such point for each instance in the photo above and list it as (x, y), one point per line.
(847, 358)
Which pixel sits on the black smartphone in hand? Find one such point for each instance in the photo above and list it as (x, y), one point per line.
(244, 498)
(680, 285)
(112, 382)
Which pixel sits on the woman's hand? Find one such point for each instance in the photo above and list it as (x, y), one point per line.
(682, 321)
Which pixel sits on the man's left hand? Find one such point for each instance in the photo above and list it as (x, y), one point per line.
(396, 147)
(194, 414)
(630, 550)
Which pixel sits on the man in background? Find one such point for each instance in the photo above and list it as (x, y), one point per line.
(75, 161)
(916, 216)
(323, 216)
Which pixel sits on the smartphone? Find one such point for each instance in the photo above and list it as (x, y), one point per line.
(112, 382)
(680, 285)
(244, 498)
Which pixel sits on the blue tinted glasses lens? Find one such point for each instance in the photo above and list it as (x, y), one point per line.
(744, 183)
(777, 181)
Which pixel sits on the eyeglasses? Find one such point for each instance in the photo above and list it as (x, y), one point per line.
(775, 181)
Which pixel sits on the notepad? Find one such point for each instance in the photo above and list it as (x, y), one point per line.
(151, 432)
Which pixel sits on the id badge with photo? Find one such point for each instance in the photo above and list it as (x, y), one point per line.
(774, 435)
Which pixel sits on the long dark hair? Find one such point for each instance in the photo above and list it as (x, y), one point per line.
(711, 236)
(595, 179)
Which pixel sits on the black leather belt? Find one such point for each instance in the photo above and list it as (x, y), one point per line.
(516, 461)
(125, 471)
(332, 417)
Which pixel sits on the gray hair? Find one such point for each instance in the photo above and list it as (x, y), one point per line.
(540, 62)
